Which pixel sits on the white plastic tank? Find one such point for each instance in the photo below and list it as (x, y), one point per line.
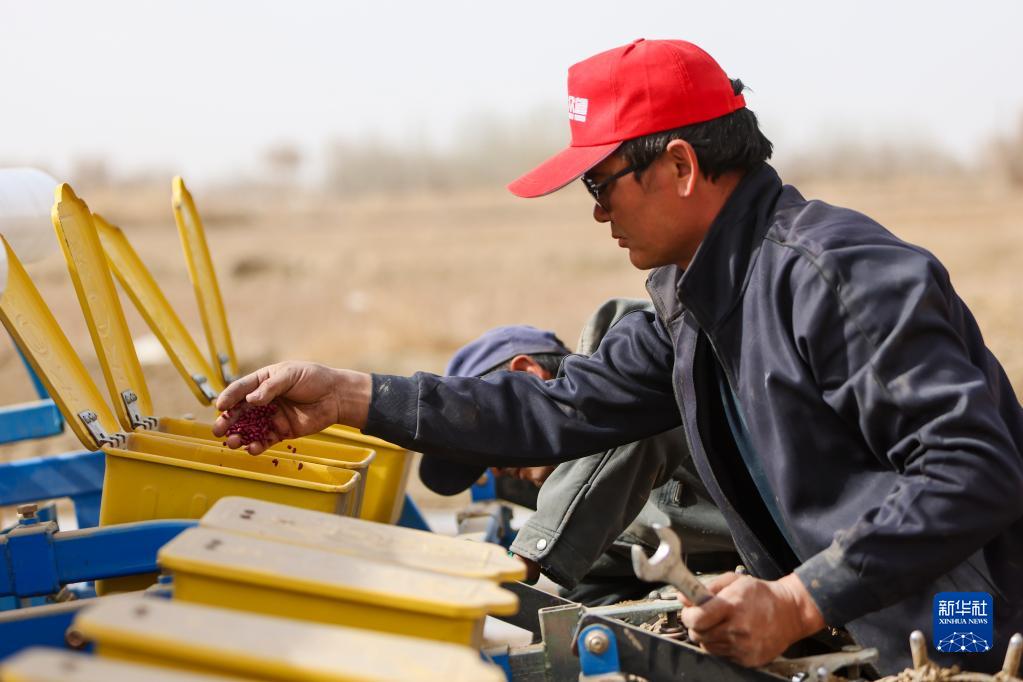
(26, 195)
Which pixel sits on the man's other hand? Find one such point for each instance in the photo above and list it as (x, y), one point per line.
(309, 398)
(535, 475)
(752, 621)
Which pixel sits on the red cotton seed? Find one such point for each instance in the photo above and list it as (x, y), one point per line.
(254, 424)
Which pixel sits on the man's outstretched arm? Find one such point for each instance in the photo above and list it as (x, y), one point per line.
(620, 394)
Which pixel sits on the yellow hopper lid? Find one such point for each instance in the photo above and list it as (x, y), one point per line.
(145, 293)
(102, 309)
(390, 544)
(29, 321)
(267, 647)
(54, 665)
(204, 281)
(294, 568)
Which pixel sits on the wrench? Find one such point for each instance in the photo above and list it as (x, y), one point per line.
(666, 565)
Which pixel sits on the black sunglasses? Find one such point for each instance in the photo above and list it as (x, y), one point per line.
(596, 188)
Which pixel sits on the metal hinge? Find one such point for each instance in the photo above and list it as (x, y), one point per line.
(91, 421)
(204, 387)
(134, 416)
(225, 368)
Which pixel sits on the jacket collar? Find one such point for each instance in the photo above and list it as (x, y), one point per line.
(716, 277)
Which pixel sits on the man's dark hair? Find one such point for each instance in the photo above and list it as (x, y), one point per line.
(732, 142)
(550, 362)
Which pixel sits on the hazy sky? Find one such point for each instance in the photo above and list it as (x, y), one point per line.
(202, 88)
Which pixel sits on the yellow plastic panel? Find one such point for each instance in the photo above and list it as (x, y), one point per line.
(96, 293)
(33, 327)
(145, 293)
(55, 665)
(241, 572)
(389, 544)
(385, 487)
(204, 281)
(155, 477)
(258, 647)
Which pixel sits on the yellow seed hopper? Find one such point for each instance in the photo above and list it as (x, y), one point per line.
(55, 665)
(389, 544)
(225, 569)
(256, 647)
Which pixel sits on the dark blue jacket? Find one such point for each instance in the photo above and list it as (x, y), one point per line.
(885, 438)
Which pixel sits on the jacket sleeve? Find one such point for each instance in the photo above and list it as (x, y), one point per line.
(622, 393)
(586, 504)
(897, 354)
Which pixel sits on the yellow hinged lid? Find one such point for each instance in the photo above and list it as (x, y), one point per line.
(29, 321)
(270, 648)
(204, 281)
(208, 552)
(145, 293)
(390, 544)
(96, 293)
(38, 664)
(351, 433)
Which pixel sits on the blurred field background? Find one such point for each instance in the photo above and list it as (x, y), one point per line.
(393, 274)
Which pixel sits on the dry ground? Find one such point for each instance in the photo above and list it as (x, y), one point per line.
(395, 285)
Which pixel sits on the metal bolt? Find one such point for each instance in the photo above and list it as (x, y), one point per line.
(918, 647)
(75, 639)
(671, 625)
(1012, 655)
(823, 674)
(28, 511)
(597, 642)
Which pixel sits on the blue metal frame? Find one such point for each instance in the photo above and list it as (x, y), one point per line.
(486, 491)
(30, 420)
(38, 626)
(38, 559)
(411, 517)
(78, 475)
(499, 528)
(501, 660)
(598, 663)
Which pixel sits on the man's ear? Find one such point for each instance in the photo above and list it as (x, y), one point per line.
(524, 363)
(685, 165)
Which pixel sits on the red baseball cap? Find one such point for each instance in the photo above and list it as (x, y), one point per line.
(644, 87)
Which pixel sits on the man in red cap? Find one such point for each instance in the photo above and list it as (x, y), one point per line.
(837, 397)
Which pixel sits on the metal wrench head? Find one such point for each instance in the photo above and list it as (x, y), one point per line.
(658, 567)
